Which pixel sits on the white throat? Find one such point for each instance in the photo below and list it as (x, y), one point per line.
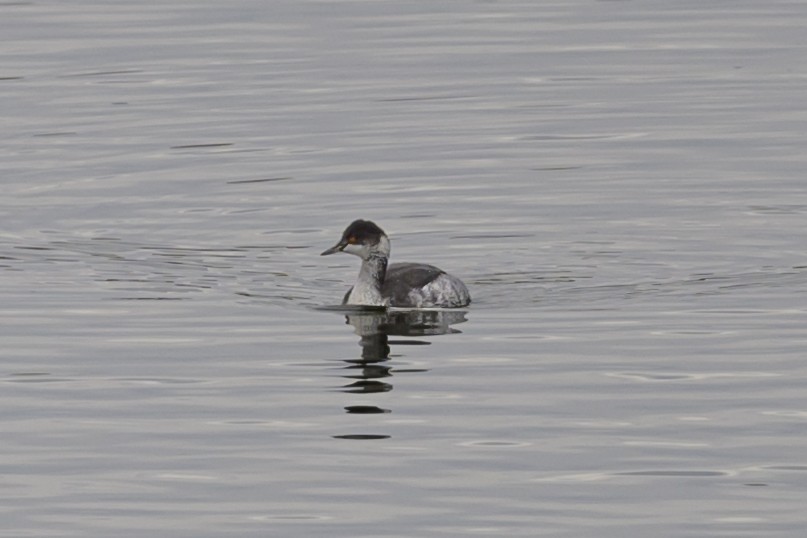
(367, 290)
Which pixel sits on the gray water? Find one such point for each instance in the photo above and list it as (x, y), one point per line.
(620, 184)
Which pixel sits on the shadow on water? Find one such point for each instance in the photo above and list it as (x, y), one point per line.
(371, 372)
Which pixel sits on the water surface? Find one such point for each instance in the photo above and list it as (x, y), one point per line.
(620, 184)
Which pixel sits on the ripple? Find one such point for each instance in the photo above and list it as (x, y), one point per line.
(638, 376)
(572, 137)
(483, 360)
(290, 517)
(37, 377)
(670, 444)
(667, 473)
(800, 468)
(495, 443)
(780, 209)
(642, 376)
(183, 477)
(786, 413)
(362, 436)
(453, 396)
(161, 381)
(366, 409)
(275, 424)
(203, 146)
(574, 478)
(692, 332)
(263, 180)
(366, 387)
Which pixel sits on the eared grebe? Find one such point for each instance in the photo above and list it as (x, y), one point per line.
(408, 285)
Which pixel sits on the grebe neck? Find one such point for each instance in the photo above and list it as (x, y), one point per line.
(367, 290)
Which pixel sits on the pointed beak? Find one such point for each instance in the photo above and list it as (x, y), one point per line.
(338, 247)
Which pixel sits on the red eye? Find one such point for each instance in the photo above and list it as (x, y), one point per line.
(351, 239)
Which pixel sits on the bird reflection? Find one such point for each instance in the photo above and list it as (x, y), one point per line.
(371, 372)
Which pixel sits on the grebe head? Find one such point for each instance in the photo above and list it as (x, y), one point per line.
(364, 239)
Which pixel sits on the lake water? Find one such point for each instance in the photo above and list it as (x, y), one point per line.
(621, 184)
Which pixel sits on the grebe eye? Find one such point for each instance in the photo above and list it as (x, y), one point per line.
(351, 239)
